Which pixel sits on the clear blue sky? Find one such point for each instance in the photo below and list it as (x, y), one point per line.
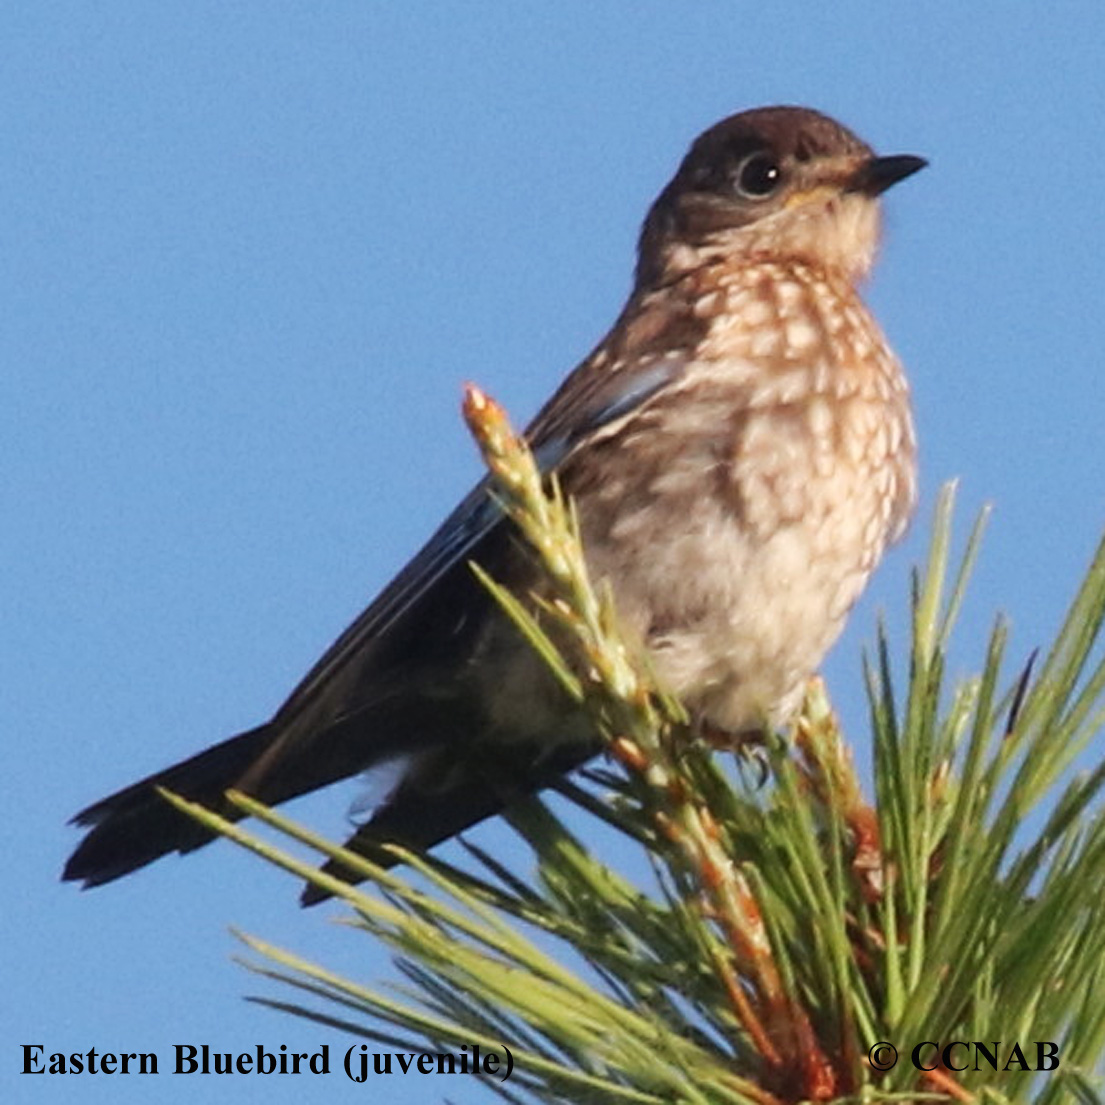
(248, 254)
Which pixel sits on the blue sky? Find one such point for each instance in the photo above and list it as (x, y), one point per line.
(248, 255)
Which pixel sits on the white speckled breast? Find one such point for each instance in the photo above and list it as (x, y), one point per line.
(766, 485)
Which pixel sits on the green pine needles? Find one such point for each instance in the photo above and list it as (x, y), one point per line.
(795, 937)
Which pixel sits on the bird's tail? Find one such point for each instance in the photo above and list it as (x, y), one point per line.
(136, 826)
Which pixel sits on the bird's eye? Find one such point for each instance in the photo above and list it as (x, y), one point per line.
(758, 176)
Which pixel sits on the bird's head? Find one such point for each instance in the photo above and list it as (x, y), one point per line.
(784, 183)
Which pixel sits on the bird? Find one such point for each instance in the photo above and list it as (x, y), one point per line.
(740, 450)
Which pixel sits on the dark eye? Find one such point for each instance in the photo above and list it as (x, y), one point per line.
(758, 176)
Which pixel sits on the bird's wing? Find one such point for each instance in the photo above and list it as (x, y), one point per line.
(570, 418)
(591, 401)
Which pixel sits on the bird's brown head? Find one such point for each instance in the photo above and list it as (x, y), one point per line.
(787, 183)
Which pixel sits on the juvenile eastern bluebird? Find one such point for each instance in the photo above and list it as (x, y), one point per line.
(740, 451)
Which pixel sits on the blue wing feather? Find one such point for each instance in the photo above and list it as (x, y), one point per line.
(556, 432)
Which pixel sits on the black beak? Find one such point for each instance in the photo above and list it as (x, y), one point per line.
(873, 177)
